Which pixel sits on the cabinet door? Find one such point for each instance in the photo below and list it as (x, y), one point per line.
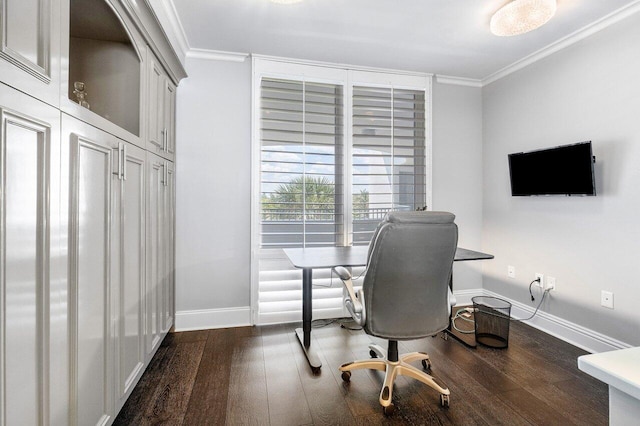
(93, 269)
(130, 301)
(169, 151)
(30, 47)
(29, 139)
(169, 247)
(155, 105)
(161, 110)
(155, 218)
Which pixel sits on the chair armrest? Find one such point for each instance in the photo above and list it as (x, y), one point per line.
(342, 272)
(353, 302)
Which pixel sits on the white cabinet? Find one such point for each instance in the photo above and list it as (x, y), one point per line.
(130, 220)
(160, 253)
(107, 239)
(161, 102)
(30, 371)
(169, 238)
(169, 119)
(94, 263)
(30, 47)
(86, 213)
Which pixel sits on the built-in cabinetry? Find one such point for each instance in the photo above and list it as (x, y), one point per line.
(162, 96)
(30, 47)
(32, 273)
(87, 202)
(160, 239)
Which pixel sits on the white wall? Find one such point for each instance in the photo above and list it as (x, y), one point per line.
(213, 286)
(457, 170)
(213, 237)
(589, 91)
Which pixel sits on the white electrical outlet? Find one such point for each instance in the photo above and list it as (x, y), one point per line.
(540, 283)
(511, 271)
(551, 283)
(606, 299)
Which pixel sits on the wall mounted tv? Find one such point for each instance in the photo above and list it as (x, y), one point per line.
(563, 170)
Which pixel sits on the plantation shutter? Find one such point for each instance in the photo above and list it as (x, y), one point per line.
(388, 156)
(301, 193)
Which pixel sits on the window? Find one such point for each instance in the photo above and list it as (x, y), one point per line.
(388, 161)
(301, 151)
(334, 150)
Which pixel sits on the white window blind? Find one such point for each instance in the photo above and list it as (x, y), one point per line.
(302, 191)
(389, 171)
(330, 167)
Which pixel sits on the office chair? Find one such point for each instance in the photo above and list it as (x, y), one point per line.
(405, 294)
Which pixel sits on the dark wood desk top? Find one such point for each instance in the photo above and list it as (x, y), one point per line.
(328, 257)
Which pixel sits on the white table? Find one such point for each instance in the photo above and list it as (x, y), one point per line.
(621, 371)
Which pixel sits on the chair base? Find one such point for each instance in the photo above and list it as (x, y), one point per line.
(392, 369)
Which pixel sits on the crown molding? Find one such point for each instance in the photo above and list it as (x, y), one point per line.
(167, 13)
(458, 81)
(563, 43)
(341, 65)
(217, 55)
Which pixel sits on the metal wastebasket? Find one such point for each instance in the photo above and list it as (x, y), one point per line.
(492, 317)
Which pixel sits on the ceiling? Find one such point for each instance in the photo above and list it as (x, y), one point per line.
(445, 37)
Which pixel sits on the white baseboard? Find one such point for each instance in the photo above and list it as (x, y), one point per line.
(213, 318)
(577, 335)
(463, 297)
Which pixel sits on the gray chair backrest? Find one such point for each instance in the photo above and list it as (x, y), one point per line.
(406, 283)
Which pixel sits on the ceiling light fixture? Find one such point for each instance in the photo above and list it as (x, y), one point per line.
(285, 1)
(521, 16)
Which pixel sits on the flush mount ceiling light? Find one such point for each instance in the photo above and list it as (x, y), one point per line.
(521, 16)
(285, 1)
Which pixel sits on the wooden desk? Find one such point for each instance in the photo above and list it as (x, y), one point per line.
(308, 259)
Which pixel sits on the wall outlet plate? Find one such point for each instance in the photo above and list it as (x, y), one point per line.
(541, 282)
(551, 283)
(606, 299)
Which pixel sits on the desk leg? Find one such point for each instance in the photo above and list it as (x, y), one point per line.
(304, 333)
(449, 331)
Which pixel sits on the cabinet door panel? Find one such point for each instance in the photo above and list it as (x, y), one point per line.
(170, 119)
(169, 244)
(155, 104)
(92, 165)
(24, 285)
(155, 218)
(29, 46)
(133, 272)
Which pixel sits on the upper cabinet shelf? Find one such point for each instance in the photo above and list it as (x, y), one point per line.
(105, 64)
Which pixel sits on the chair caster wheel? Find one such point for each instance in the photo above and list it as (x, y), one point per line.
(426, 364)
(389, 409)
(373, 353)
(315, 370)
(444, 400)
(346, 376)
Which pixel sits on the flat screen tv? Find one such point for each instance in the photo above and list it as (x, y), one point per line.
(563, 170)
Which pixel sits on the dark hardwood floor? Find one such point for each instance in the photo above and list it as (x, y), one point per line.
(259, 376)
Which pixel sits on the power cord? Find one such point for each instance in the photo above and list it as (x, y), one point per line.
(544, 294)
(461, 312)
(537, 280)
(460, 315)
